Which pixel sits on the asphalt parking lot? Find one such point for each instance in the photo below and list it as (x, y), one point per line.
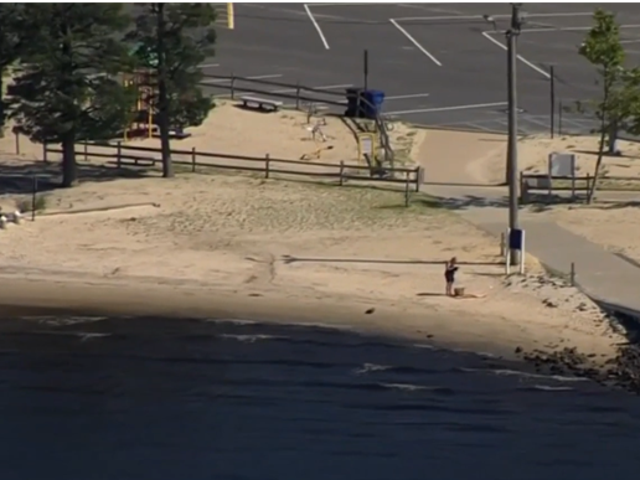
(439, 64)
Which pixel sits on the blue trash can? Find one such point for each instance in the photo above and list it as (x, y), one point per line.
(373, 105)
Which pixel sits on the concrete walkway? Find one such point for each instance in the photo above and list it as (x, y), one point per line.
(605, 277)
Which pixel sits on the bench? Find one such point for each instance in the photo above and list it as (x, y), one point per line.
(263, 104)
(174, 133)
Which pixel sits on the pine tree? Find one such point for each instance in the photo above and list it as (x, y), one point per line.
(175, 39)
(67, 88)
(10, 46)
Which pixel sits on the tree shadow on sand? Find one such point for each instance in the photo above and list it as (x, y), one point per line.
(21, 178)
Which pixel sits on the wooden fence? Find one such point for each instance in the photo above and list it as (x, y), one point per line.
(530, 184)
(121, 156)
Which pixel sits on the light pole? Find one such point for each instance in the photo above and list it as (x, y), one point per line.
(512, 147)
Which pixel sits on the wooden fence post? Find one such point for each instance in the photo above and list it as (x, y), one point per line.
(407, 180)
(341, 172)
(34, 194)
(266, 165)
(233, 82)
(17, 143)
(119, 155)
(86, 153)
(572, 275)
(418, 178)
(44, 152)
(193, 159)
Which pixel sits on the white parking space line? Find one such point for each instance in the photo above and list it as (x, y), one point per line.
(415, 42)
(479, 127)
(487, 35)
(209, 65)
(325, 87)
(370, 4)
(447, 109)
(567, 29)
(537, 119)
(480, 17)
(520, 57)
(255, 77)
(401, 97)
(316, 26)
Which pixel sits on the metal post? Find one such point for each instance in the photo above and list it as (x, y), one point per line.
(552, 98)
(560, 108)
(573, 274)
(366, 69)
(512, 154)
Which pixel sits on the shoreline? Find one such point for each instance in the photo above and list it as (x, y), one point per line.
(615, 366)
(57, 294)
(239, 247)
(24, 297)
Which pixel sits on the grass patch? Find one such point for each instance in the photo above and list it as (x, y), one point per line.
(418, 203)
(29, 205)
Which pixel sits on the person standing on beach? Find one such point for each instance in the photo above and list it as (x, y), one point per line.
(450, 275)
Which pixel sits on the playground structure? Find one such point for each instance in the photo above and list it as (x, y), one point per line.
(142, 80)
(368, 139)
(367, 146)
(143, 116)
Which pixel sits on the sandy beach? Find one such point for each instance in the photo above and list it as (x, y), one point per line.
(236, 246)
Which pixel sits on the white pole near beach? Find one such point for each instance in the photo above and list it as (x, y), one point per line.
(507, 253)
(522, 253)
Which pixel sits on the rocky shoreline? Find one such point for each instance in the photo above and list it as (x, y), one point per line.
(622, 371)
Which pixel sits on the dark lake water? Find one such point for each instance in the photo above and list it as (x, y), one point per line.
(137, 399)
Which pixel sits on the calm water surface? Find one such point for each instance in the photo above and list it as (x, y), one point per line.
(121, 399)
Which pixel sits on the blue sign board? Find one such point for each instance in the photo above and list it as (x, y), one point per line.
(516, 239)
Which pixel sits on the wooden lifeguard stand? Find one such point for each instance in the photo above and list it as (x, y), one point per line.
(142, 125)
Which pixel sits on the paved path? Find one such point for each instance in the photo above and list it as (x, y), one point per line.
(605, 277)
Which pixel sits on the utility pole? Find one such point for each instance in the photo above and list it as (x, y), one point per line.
(512, 148)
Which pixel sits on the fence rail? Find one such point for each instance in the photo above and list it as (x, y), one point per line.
(121, 156)
(548, 184)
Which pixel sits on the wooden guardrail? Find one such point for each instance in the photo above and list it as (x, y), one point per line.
(121, 156)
